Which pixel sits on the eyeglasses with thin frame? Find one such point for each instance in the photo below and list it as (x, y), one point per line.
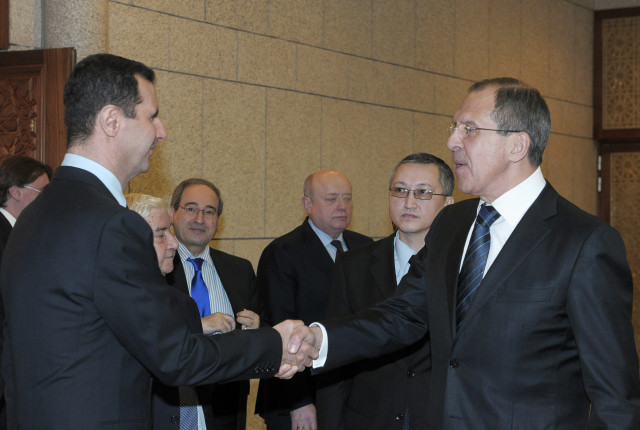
(468, 131)
(31, 188)
(418, 193)
(193, 212)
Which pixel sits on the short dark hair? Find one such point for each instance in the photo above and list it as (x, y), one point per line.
(177, 193)
(446, 174)
(520, 107)
(18, 171)
(95, 82)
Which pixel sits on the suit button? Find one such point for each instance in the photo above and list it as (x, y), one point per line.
(454, 363)
(399, 417)
(411, 373)
(175, 420)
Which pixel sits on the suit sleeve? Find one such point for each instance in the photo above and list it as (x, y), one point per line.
(399, 321)
(599, 307)
(135, 302)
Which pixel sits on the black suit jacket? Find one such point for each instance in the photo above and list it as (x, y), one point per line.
(224, 405)
(5, 229)
(372, 394)
(89, 317)
(294, 281)
(547, 342)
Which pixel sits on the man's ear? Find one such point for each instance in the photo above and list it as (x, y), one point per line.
(110, 120)
(521, 142)
(15, 192)
(306, 202)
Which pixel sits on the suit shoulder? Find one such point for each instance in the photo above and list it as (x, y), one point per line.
(356, 237)
(228, 258)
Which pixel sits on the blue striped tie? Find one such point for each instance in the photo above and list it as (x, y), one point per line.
(199, 291)
(475, 260)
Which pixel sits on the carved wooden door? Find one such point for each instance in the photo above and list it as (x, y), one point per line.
(31, 105)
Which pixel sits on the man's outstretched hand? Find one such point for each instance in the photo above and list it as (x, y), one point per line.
(298, 347)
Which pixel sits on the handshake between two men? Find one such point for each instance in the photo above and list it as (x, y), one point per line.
(300, 346)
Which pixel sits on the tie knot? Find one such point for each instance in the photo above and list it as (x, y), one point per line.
(338, 245)
(487, 215)
(197, 263)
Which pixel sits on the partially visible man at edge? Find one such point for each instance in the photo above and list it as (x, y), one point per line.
(350, 398)
(22, 179)
(88, 315)
(539, 335)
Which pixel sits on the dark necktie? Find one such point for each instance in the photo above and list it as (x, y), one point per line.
(199, 291)
(338, 245)
(475, 260)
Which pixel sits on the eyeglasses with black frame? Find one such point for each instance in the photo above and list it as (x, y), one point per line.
(418, 193)
(468, 131)
(193, 212)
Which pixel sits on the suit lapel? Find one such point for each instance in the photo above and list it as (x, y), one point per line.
(315, 250)
(528, 234)
(382, 267)
(227, 278)
(455, 257)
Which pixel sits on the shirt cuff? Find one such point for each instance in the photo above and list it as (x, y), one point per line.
(324, 348)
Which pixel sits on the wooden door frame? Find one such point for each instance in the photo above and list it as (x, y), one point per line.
(4, 24)
(606, 149)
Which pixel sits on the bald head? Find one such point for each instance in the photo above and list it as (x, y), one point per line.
(327, 200)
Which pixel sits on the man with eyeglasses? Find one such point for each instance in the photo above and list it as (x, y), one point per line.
(526, 298)
(294, 277)
(22, 179)
(419, 187)
(230, 298)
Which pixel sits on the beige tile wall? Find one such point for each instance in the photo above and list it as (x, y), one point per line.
(256, 94)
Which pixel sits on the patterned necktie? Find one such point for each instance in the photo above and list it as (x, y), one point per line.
(475, 260)
(338, 245)
(199, 291)
(188, 407)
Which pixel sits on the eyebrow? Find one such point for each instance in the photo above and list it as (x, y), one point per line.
(198, 205)
(421, 184)
(159, 229)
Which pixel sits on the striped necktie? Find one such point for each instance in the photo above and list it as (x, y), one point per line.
(475, 260)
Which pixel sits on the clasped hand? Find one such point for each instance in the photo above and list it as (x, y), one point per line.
(300, 346)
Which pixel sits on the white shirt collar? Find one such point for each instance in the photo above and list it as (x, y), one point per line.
(104, 175)
(513, 204)
(325, 238)
(8, 216)
(401, 253)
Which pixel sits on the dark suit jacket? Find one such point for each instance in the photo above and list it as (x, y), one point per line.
(225, 405)
(89, 317)
(5, 229)
(294, 280)
(548, 332)
(165, 403)
(372, 394)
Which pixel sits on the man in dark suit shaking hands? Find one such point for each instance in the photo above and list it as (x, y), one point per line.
(88, 314)
(526, 298)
